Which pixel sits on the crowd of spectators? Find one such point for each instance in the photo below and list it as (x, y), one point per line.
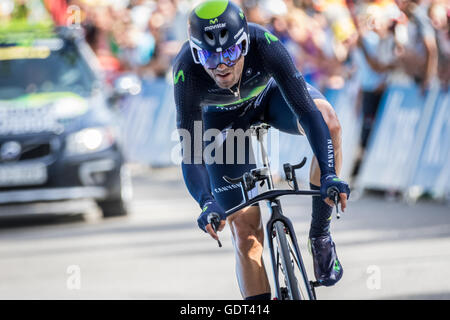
(333, 42)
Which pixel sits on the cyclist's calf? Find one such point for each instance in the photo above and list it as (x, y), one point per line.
(248, 237)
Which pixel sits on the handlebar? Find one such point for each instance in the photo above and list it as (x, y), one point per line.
(271, 195)
(249, 179)
(214, 218)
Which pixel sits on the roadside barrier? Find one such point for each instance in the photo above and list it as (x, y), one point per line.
(409, 145)
(409, 148)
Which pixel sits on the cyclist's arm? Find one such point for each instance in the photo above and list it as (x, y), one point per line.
(280, 66)
(188, 113)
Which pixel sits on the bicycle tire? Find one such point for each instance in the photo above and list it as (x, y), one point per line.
(286, 261)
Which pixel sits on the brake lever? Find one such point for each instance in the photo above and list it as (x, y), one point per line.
(334, 195)
(214, 220)
(336, 202)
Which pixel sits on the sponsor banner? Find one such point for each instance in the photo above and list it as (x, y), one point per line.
(403, 117)
(147, 122)
(432, 172)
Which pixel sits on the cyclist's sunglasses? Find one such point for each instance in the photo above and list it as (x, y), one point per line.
(229, 57)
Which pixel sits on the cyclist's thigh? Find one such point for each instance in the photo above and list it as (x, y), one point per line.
(278, 113)
(231, 153)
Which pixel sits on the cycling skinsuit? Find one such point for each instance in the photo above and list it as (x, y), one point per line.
(272, 91)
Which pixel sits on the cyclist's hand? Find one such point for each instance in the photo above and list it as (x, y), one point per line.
(211, 207)
(333, 181)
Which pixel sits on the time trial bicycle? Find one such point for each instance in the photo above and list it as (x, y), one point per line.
(289, 273)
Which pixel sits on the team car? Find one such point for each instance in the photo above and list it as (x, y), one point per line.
(59, 137)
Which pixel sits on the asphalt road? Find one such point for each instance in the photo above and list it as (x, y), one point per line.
(389, 250)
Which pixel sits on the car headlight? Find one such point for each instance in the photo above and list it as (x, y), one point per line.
(89, 140)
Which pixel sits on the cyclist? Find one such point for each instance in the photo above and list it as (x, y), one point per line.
(228, 76)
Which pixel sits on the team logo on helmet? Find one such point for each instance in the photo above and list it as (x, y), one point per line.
(213, 21)
(216, 26)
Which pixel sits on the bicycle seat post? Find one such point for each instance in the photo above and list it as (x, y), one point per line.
(261, 131)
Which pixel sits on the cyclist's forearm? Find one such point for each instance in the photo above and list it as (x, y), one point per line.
(319, 138)
(197, 181)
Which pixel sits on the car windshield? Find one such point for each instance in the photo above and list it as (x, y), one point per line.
(43, 70)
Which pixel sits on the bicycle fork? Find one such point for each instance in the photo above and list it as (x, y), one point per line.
(277, 215)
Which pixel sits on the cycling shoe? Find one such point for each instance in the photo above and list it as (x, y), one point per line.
(327, 268)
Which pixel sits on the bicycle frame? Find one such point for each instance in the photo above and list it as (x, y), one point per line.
(276, 214)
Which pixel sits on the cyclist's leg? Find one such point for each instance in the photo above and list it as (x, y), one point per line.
(279, 115)
(246, 224)
(248, 239)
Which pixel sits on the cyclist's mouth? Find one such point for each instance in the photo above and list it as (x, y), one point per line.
(223, 76)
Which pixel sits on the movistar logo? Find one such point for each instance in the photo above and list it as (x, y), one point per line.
(270, 37)
(215, 26)
(241, 14)
(213, 21)
(177, 77)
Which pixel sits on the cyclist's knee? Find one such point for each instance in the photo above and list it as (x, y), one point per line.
(248, 244)
(331, 119)
(248, 235)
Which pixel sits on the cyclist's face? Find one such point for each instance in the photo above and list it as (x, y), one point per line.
(225, 76)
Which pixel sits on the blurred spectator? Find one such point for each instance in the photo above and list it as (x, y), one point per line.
(375, 58)
(418, 50)
(438, 12)
(165, 25)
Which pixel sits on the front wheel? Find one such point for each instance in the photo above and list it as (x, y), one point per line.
(285, 262)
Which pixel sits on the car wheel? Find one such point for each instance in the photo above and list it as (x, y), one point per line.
(118, 201)
(113, 208)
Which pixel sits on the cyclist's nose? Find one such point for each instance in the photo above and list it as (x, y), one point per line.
(221, 67)
(222, 60)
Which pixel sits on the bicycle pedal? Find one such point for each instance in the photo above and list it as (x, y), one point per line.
(315, 284)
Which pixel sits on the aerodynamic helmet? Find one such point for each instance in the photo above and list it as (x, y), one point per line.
(218, 33)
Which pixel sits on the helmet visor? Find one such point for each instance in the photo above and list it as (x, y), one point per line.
(229, 57)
